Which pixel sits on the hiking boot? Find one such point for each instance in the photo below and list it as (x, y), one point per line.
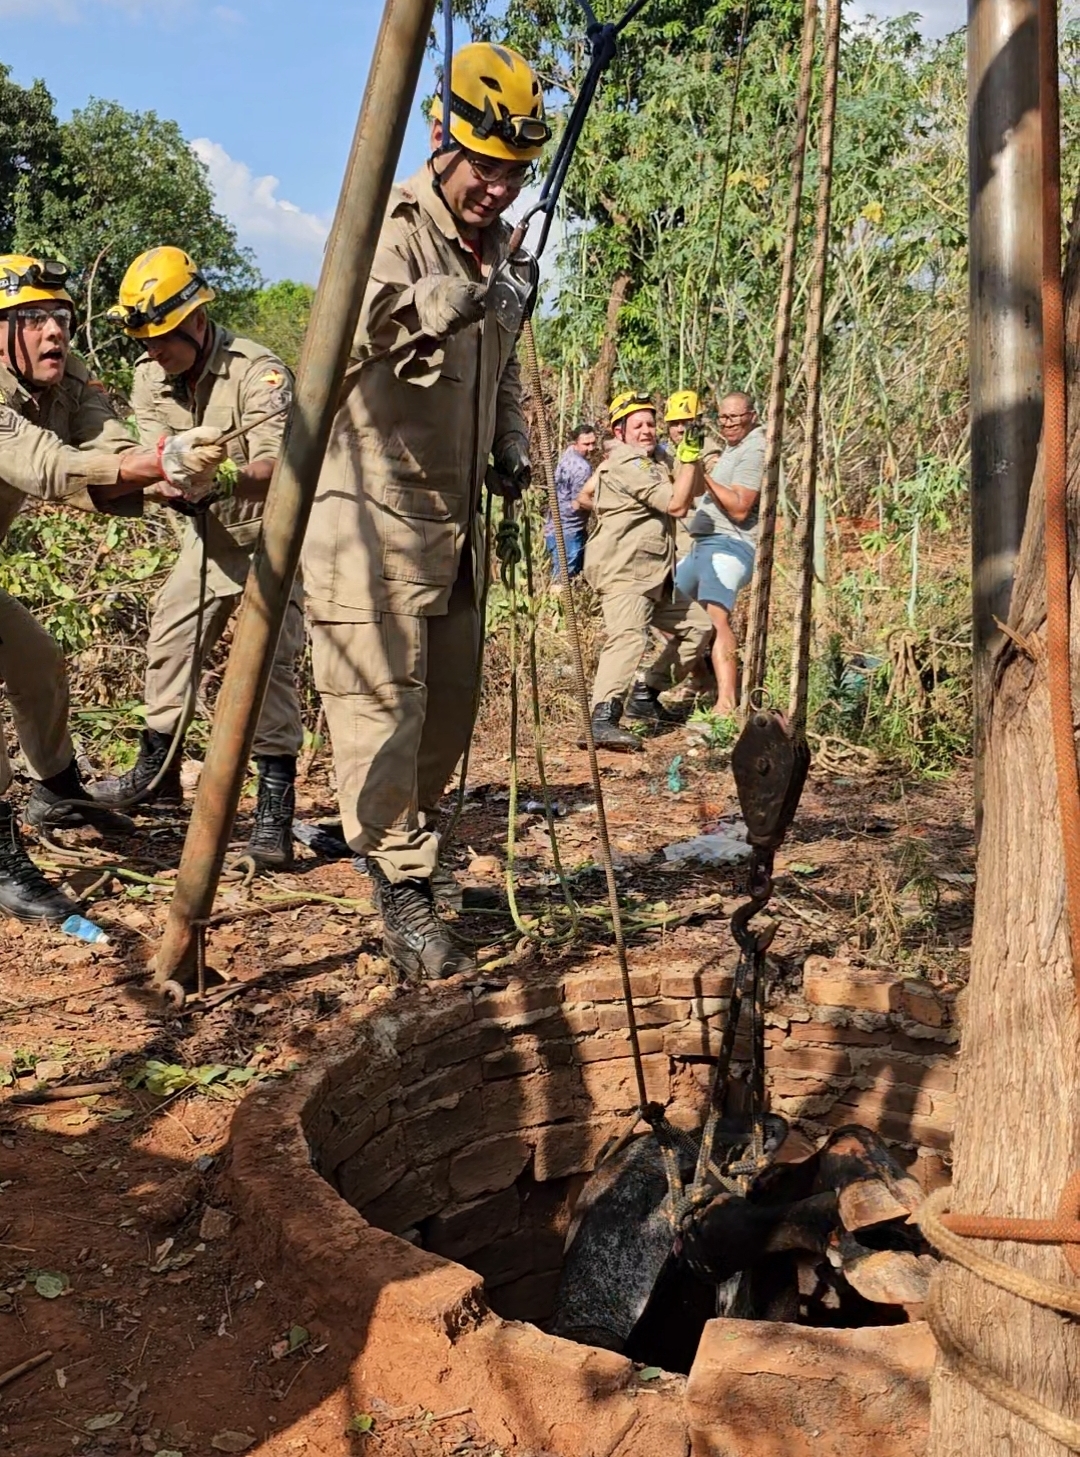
(644, 706)
(129, 788)
(270, 845)
(414, 938)
(606, 731)
(24, 891)
(48, 807)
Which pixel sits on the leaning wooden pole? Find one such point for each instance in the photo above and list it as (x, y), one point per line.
(1004, 337)
(1007, 1382)
(391, 84)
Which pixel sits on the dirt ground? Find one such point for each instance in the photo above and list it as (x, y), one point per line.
(116, 1255)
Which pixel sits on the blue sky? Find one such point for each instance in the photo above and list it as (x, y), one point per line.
(267, 91)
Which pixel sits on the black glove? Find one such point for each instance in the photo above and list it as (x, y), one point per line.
(513, 465)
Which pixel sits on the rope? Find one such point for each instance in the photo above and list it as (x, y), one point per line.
(944, 1233)
(532, 374)
(815, 318)
(761, 591)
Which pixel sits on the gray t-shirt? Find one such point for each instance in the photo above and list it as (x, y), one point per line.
(740, 465)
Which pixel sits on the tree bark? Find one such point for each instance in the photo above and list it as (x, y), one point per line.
(604, 370)
(1018, 1129)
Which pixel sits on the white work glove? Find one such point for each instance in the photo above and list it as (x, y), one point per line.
(189, 460)
(444, 305)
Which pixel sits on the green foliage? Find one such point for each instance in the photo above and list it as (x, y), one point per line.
(276, 316)
(29, 147)
(99, 189)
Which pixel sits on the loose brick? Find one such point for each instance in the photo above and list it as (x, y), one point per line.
(928, 1077)
(646, 1014)
(831, 1062)
(456, 1232)
(464, 1045)
(569, 1148)
(828, 1032)
(828, 983)
(538, 1098)
(416, 1195)
(599, 1049)
(511, 1063)
(612, 1086)
(919, 1001)
(488, 1166)
(443, 1129)
(517, 997)
(580, 1019)
(439, 1020)
(598, 987)
(696, 984)
(870, 1103)
(809, 1086)
(376, 1168)
(458, 1078)
(349, 1139)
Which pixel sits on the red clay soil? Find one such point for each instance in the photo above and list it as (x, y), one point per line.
(168, 1335)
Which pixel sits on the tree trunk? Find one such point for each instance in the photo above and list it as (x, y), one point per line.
(1018, 1130)
(600, 385)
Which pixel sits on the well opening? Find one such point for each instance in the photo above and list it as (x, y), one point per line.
(468, 1121)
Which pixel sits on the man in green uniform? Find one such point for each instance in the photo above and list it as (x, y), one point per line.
(59, 442)
(195, 372)
(629, 561)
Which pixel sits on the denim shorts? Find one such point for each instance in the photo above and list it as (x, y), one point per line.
(716, 569)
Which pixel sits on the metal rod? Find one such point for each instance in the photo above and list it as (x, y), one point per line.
(391, 85)
(1005, 338)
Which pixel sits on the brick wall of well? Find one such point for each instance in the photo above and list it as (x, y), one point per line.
(466, 1121)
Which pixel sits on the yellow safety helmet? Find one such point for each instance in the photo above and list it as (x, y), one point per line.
(683, 405)
(628, 403)
(496, 103)
(157, 293)
(26, 280)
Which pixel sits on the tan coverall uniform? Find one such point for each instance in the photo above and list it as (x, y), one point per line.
(241, 381)
(393, 558)
(54, 446)
(629, 559)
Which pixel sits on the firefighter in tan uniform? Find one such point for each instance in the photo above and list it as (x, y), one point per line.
(59, 441)
(393, 558)
(195, 372)
(629, 560)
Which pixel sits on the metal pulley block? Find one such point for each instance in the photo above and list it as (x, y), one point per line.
(511, 293)
(770, 764)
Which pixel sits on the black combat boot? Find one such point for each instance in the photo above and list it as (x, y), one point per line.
(270, 845)
(414, 938)
(644, 706)
(606, 731)
(125, 788)
(24, 891)
(47, 807)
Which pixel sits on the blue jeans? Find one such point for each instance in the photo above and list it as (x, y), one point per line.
(575, 549)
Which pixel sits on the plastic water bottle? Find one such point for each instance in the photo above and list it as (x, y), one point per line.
(85, 930)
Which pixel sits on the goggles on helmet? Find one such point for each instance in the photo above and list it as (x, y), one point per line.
(516, 131)
(130, 316)
(48, 273)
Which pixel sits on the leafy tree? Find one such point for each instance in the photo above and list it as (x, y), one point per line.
(276, 316)
(120, 182)
(29, 146)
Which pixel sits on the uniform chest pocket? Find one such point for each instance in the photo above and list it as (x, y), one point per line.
(421, 535)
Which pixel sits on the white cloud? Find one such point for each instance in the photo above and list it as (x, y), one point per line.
(287, 242)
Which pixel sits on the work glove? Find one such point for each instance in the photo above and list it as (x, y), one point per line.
(512, 471)
(690, 447)
(444, 305)
(190, 460)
